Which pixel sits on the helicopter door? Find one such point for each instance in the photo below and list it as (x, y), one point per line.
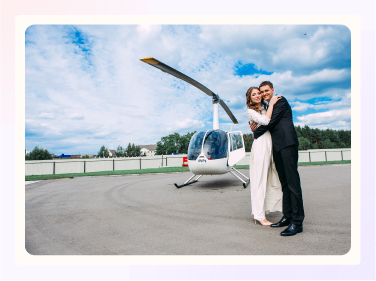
(237, 149)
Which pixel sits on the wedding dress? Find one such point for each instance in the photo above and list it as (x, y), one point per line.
(266, 189)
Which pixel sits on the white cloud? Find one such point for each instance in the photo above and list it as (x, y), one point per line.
(46, 115)
(76, 116)
(344, 102)
(149, 31)
(300, 106)
(332, 118)
(188, 123)
(281, 47)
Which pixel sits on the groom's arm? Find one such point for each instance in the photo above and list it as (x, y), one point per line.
(278, 111)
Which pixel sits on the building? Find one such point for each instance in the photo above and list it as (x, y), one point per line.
(148, 150)
(87, 155)
(112, 153)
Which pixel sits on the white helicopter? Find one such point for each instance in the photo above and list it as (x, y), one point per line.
(210, 152)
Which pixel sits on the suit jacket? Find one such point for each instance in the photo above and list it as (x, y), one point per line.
(280, 126)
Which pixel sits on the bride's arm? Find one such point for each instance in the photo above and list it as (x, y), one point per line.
(279, 110)
(257, 117)
(271, 106)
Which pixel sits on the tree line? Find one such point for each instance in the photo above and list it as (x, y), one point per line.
(131, 151)
(43, 154)
(38, 154)
(309, 138)
(174, 143)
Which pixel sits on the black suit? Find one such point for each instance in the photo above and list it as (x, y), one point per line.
(285, 154)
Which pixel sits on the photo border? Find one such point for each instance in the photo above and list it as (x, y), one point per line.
(351, 258)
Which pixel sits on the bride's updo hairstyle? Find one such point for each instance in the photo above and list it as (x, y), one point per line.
(250, 103)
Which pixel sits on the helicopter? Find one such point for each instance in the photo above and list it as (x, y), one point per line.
(210, 152)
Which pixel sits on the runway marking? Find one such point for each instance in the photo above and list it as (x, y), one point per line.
(30, 182)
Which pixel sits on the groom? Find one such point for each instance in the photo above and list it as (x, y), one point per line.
(285, 154)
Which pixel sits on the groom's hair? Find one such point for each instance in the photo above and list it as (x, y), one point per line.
(266, 83)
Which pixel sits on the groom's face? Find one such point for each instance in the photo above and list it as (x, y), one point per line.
(267, 92)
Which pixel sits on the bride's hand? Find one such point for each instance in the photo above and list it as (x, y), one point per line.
(275, 99)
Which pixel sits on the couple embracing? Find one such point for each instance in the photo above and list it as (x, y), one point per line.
(274, 177)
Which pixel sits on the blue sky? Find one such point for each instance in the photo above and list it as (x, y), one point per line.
(86, 87)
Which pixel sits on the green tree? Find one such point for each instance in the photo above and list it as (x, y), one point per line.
(298, 131)
(327, 144)
(184, 142)
(169, 144)
(132, 150)
(304, 143)
(128, 151)
(174, 143)
(120, 152)
(306, 132)
(103, 151)
(343, 145)
(316, 138)
(137, 150)
(333, 137)
(38, 154)
(345, 137)
(85, 156)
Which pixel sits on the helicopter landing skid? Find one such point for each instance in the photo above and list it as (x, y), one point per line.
(188, 181)
(245, 184)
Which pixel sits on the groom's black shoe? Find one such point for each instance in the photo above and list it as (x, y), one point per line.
(281, 223)
(292, 230)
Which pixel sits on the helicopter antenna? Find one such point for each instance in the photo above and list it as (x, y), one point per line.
(165, 68)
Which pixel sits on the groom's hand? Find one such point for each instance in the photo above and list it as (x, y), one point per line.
(253, 126)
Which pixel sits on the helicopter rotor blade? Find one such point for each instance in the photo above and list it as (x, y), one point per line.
(165, 68)
(228, 111)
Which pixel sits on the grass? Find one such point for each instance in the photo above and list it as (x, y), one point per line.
(156, 170)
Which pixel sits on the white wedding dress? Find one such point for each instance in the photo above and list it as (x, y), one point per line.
(266, 189)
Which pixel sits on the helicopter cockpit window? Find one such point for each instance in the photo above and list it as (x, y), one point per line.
(239, 141)
(232, 143)
(195, 145)
(236, 141)
(215, 145)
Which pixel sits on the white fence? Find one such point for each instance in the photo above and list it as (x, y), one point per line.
(65, 166)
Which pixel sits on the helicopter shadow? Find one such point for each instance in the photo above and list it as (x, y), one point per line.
(219, 184)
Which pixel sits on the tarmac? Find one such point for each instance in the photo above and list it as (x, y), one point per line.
(147, 215)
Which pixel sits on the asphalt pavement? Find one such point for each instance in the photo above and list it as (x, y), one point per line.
(147, 215)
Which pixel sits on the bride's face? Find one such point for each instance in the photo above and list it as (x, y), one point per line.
(256, 96)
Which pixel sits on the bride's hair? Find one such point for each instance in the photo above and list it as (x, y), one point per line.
(250, 103)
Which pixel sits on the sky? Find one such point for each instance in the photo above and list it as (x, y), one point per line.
(86, 86)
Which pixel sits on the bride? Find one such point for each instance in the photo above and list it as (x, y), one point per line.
(266, 189)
